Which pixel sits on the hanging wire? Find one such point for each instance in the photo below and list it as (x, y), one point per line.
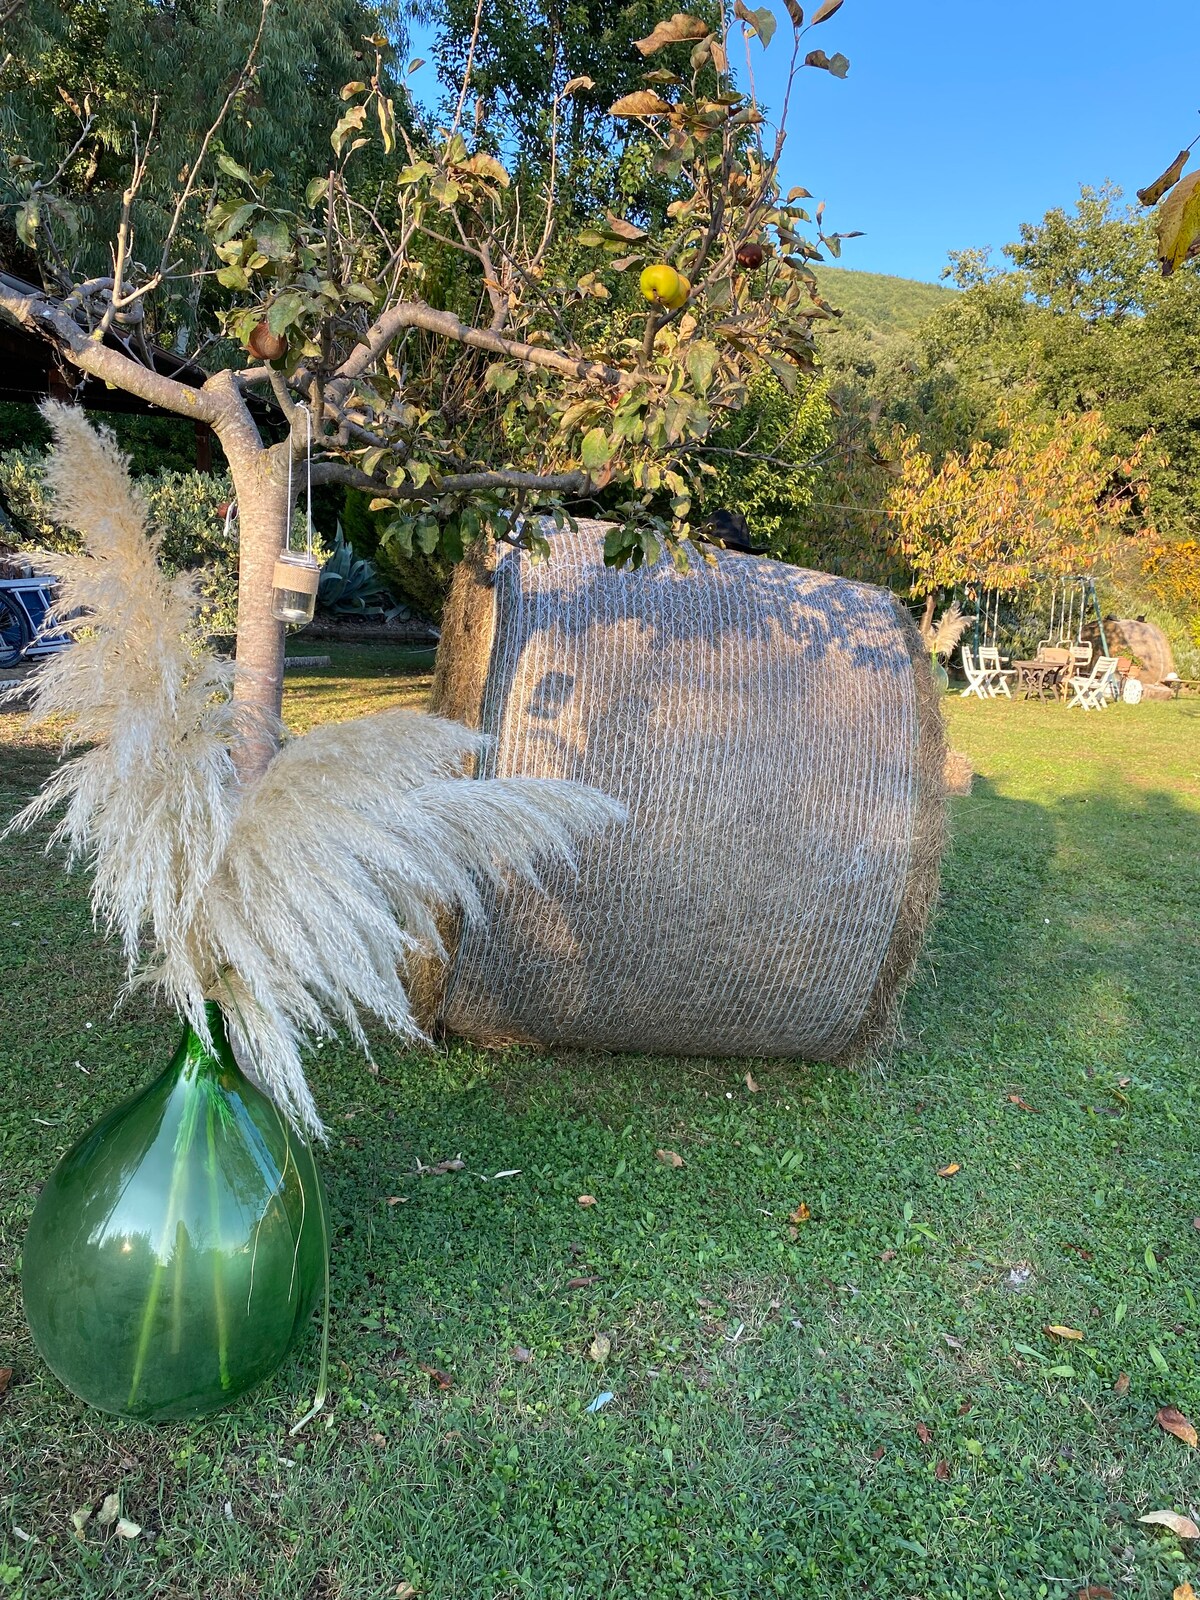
(308, 529)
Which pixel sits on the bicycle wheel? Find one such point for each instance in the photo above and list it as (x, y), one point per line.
(15, 633)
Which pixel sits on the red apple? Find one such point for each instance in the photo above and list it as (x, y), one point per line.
(750, 255)
(267, 346)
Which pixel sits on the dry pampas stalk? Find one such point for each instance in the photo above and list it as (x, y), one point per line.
(292, 900)
(941, 639)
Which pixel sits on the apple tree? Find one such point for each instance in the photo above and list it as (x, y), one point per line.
(460, 348)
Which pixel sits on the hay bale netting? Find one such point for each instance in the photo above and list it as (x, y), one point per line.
(776, 736)
(1142, 641)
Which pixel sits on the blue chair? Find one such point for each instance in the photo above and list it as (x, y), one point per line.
(25, 606)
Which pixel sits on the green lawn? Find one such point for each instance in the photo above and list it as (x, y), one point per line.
(865, 1404)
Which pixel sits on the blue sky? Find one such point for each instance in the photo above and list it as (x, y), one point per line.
(961, 119)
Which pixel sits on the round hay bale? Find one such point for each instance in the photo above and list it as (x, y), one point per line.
(1147, 644)
(777, 738)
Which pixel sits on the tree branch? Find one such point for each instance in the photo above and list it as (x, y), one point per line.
(462, 483)
(38, 313)
(416, 314)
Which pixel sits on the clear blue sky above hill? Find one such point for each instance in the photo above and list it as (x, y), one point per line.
(961, 119)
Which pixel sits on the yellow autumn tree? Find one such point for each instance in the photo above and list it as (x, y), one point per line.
(1044, 503)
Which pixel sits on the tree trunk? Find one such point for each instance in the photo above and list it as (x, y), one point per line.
(260, 483)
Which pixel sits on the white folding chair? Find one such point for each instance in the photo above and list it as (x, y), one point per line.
(977, 676)
(998, 676)
(1094, 691)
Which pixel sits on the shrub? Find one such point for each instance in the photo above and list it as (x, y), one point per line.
(186, 507)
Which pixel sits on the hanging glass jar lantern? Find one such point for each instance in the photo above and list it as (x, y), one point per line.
(294, 586)
(181, 1245)
(297, 574)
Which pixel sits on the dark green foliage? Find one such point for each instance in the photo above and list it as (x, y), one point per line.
(418, 579)
(153, 444)
(768, 1388)
(780, 438)
(122, 56)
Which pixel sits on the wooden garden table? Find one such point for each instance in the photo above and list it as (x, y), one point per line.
(1038, 677)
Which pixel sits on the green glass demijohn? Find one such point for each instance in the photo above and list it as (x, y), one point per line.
(180, 1246)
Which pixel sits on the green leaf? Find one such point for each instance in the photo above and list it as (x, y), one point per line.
(1158, 1358)
(415, 173)
(500, 378)
(428, 535)
(26, 223)
(1150, 1259)
(234, 278)
(286, 308)
(1119, 1313)
(596, 450)
(825, 11)
(234, 221)
(315, 191)
(232, 170)
(765, 21)
(702, 361)
(273, 238)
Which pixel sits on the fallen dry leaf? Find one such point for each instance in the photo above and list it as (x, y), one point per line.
(1058, 1331)
(443, 1380)
(1078, 1250)
(1022, 1105)
(1172, 1421)
(877, 1453)
(942, 1471)
(456, 1165)
(405, 1591)
(1184, 1592)
(801, 1214)
(1122, 1384)
(923, 1433)
(948, 1172)
(750, 1083)
(600, 1348)
(669, 1158)
(109, 1511)
(888, 1255)
(583, 1283)
(1095, 1591)
(5, 1380)
(520, 1353)
(1184, 1527)
(586, 1200)
(397, 1200)
(80, 1519)
(1196, 1222)
(955, 1344)
(126, 1529)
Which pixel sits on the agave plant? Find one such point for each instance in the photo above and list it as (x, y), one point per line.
(350, 585)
